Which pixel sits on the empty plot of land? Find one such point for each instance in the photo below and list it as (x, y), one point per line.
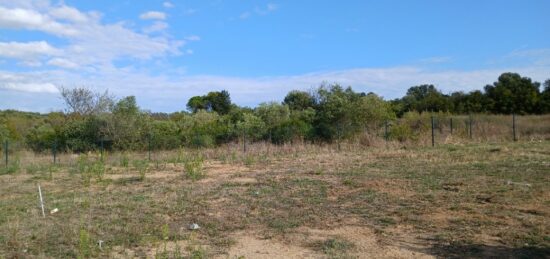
(476, 200)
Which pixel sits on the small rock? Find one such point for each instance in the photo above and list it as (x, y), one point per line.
(54, 211)
(194, 226)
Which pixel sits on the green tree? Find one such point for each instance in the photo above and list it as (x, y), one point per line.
(273, 115)
(513, 94)
(129, 128)
(472, 102)
(41, 137)
(219, 102)
(334, 111)
(545, 97)
(299, 100)
(425, 98)
(252, 126)
(371, 111)
(197, 103)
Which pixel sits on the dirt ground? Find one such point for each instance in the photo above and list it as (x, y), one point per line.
(473, 201)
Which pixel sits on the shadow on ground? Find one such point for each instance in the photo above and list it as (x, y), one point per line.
(483, 251)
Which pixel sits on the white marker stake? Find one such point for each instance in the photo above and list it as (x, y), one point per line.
(41, 201)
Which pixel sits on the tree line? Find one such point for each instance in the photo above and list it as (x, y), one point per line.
(330, 112)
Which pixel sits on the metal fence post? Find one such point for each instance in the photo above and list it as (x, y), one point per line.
(54, 153)
(514, 126)
(149, 147)
(470, 127)
(433, 137)
(244, 141)
(451, 126)
(386, 130)
(6, 146)
(102, 147)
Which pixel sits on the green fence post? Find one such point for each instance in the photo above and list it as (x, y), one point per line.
(244, 141)
(149, 147)
(433, 137)
(514, 126)
(54, 152)
(386, 130)
(470, 127)
(451, 126)
(102, 148)
(6, 146)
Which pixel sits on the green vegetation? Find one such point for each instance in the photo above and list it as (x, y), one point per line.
(330, 113)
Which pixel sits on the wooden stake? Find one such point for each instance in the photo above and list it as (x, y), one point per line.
(41, 201)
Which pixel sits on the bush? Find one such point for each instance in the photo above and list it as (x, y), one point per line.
(193, 168)
(142, 166)
(402, 133)
(41, 137)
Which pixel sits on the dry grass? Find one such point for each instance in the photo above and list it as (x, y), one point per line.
(393, 201)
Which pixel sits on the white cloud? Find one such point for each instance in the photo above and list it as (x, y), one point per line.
(91, 43)
(69, 14)
(193, 38)
(18, 18)
(31, 87)
(168, 4)
(30, 63)
(64, 63)
(25, 82)
(153, 15)
(436, 60)
(156, 27)
(27, 50)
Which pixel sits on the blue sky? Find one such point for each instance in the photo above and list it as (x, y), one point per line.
(164, 52)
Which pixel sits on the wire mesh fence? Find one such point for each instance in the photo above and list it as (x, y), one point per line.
(419, 130)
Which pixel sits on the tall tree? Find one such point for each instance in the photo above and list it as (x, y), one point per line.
(545, 97)
(219, 102)
(299, 100)
(513, 93)
(83, 101)
(425, 98)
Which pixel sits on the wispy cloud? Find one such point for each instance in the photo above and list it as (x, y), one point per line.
(156, 27)
(436, 60)
(153, 15)
(168, 4)
(265, 10)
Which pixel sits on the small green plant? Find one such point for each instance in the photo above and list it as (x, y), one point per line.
(84, 244)
(142, 166)
(195, 250)
(97, 169)
(249, 160)
(52, 169)
(165, 233)
(88, 169)
(193, 167)
(124, 160)
(12, 168)
(34, 168)
(336, 247)
(81, 164)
